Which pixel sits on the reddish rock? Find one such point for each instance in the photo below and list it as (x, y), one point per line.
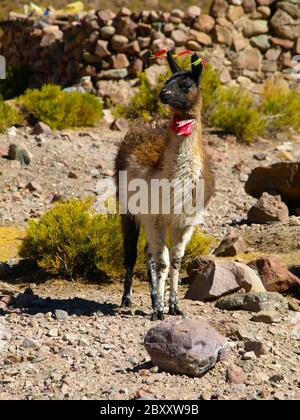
(275, 277)
(135, 67)
(119, 61)
(269, 208)
(279, 42)
(132, 48)
(126, 27)
(232, 245)
(281, 178)
(101, 49)
(118, 42)
(186, 346)
(236, 375)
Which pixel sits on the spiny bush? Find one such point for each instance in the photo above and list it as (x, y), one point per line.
(60, 109)
(281, 105)
(15, 83)
(71, 240)
(8, 116)
(236, 112)
(145, 103)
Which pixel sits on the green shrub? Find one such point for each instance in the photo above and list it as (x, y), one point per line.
(71, 240)
(237, 113)
(8, 116)
(281, 105)
(210, 85)
(145, 103)
(60, 109)
(15, 83)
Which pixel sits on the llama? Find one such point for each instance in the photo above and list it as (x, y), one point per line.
(173, 153)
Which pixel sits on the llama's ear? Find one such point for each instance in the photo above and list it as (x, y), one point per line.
(172, 63)
(197, 66)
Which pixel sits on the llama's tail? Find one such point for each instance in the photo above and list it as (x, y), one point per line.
(131, 231)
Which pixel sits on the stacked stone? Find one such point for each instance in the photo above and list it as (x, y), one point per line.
(247, 40)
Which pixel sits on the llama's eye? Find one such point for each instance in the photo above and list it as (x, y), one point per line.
(186, 86)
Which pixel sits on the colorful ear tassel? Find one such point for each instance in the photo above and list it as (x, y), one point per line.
(163, 55)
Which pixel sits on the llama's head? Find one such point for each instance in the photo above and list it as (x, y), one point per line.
(181, 90)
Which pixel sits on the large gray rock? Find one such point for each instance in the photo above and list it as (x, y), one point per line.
(219, 278)
(186, 346)
(252, 302)
(281, 178)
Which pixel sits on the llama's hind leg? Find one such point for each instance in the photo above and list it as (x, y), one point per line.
(157, 248)
(179, 240)
(131, 234)
(152, 276)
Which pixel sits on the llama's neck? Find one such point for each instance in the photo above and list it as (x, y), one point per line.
(184, 153)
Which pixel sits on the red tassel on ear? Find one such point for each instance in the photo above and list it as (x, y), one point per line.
(183, 53)
(160, 53)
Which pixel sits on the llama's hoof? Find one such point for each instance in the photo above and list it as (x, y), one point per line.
(157, 316)
(174, 310)
(126, 302)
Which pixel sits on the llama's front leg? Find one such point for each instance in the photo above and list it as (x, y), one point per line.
(159, 254)
(179, 240)
(162, 264)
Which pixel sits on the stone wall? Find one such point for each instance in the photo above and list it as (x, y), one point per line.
(247, 40)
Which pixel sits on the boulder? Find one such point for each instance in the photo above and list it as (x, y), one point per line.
(274, 276)
(269, 208)
(252, 302)
(232, 245)
(218, 278)
(281, 178)
(186, 346)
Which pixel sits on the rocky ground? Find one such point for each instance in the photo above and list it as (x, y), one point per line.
(96, 350)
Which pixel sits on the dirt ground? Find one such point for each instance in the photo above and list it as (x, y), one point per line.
(97, 352)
